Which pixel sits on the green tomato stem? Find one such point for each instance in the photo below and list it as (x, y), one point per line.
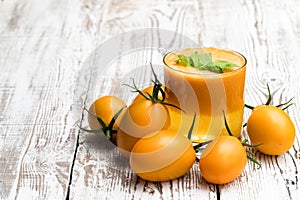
(226, 125)
(269, 96)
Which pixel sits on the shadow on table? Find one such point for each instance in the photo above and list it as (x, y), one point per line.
(105, 151)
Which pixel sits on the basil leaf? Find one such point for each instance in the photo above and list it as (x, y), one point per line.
(184, 59)
(215, 68)
(204, 62)
(225, 64)
(198, 60)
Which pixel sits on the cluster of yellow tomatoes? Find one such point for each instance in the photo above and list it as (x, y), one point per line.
(157, 153)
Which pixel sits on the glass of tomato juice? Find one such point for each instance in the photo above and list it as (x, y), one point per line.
(208, 95)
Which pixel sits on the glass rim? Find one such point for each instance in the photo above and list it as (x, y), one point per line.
(194, 73)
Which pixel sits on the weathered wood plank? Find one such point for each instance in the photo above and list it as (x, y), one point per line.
(41, 49)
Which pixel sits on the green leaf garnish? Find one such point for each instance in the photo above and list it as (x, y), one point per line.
(204, 61)
(183, 59)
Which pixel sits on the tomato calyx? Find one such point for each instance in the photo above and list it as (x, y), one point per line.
(269, 100)
(107, 130)
(250, 155)
(157, 89)
(268, 103)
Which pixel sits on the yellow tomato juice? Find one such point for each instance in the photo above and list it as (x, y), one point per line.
(205, 94)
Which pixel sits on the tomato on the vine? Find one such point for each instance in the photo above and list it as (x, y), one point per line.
(141, 118)
(223, 160)
(271, 127)
(106, 108)
(162, 156)
(174, 112)
(148, 113)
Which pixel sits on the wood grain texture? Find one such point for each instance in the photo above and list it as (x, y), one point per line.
(44, 47)
(38, 62)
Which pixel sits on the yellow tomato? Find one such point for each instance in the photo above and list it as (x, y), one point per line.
(223, 160)
(141, 118)
(105, 108)
(162, 156)
(175, 113)
(272, 128)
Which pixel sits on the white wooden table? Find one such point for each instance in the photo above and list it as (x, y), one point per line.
(43, 48)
